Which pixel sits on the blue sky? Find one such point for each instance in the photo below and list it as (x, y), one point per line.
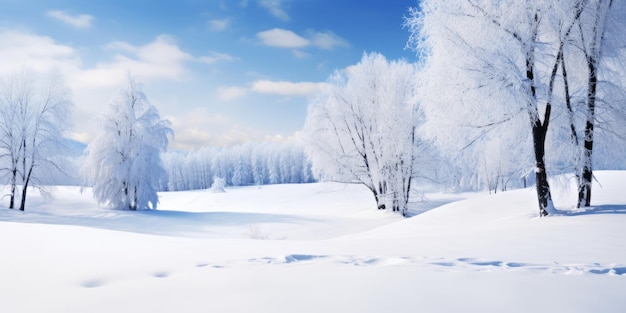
(223, 72)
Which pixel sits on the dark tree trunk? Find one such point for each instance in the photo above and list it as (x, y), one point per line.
(379, 204)
(135, 199)
(405, 204)
(539, 130)
(584, 192)
(543, 187)
(25, 188)
(13, 183)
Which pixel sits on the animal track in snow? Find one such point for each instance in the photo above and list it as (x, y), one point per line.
(479, 262)
(447, 264)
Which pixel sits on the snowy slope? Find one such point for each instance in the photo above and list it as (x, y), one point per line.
(327, 250)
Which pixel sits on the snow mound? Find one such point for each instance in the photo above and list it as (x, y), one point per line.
(317, 248)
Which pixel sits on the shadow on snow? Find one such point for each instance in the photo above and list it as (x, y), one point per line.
(168, 223)
(598, 209)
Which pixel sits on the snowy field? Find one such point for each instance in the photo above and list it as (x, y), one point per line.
(316, 248)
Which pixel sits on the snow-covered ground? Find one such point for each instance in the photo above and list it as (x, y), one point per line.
(316, 248)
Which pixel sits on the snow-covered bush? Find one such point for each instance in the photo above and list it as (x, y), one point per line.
(218, 185)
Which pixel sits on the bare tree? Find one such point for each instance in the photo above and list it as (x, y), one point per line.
(488, 62)
(493, 66)
(34, 111)
(361, 129)
(592, 36)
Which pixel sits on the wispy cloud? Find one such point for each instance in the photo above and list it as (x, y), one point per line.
(214, 57)
(275, 8)
(159, 59)
(81, 21)
(231, 93)
(285, 88)
(327, 40)
(218, 25)
(283, 38)
(200, 127)
(300, 54)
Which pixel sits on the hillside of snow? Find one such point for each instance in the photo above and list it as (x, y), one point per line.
(316, 248)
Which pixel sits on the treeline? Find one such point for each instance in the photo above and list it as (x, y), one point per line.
(242, 165)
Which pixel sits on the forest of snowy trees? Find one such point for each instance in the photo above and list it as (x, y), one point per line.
(241, 165)
(503, 94)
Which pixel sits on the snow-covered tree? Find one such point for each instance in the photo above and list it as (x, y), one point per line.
(124, 165)
(493, 66)
(218, 185)
(34, 111)
(600, 32)
(362, 129)
(485, 78)
(240, 165)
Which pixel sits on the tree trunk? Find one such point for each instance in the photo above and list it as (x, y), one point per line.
(543, 187)
(584, 191)
(539, 131)
(135, 199)
(572, 125)
(379, 204)
(407, 195)
(13, 183)
(25, 188)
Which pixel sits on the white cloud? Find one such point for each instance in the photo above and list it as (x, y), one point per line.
(231, 93)
(300, 54)
(38, 52)
(160, 60)
(274, 7)
(284, 88)
(282, 38)
(200, 128)
(214, 57)
(121, 45)
(218, 25)
(81, 21)
(327, 40)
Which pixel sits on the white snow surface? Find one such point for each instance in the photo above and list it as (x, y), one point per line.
(316, 248)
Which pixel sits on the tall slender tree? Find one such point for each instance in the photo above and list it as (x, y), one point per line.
(592, 37)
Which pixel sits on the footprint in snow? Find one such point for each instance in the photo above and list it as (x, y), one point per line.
(292, 258)
(619, 270)
(600, 270)
(479, 262)
(92, 283)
